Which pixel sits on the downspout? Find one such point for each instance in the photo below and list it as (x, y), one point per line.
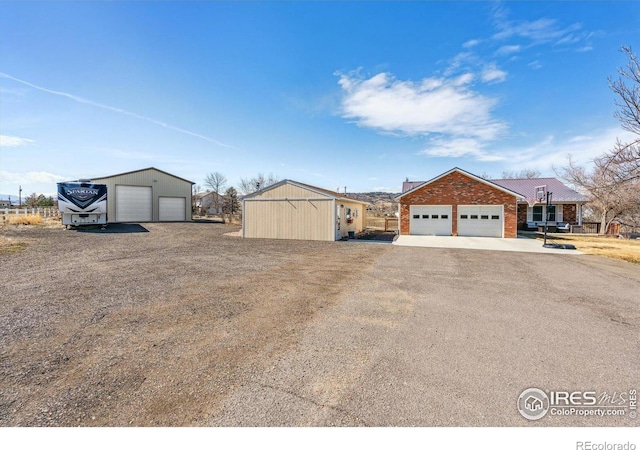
(333, 216)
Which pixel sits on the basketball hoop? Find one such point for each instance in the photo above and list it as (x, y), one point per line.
(541, 193)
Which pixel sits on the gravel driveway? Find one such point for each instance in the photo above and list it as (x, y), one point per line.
(179, 324)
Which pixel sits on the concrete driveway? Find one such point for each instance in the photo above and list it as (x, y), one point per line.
(521, 244)
(452, 337)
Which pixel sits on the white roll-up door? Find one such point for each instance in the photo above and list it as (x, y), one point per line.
(480, 220)
(134, 204)
(172, 209)
(430, 220)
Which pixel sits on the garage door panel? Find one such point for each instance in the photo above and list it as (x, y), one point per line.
(172, 209)
(480, 220)
(134, 204)
(430, 220)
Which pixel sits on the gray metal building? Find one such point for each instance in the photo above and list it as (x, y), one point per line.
(147, 195)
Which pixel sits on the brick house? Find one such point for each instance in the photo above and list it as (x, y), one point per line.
(458, 203)
(566, 204)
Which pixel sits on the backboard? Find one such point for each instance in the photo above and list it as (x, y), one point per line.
(541, 193)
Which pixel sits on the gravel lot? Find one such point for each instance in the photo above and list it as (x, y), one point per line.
(180, 325)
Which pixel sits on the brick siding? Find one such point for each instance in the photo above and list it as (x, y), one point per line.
(459, 189)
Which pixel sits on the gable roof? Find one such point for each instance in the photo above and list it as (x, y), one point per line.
(317, 190)
(415, 185)
(143, 170)
(526, 187)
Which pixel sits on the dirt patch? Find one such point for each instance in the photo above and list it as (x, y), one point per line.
(153, 328)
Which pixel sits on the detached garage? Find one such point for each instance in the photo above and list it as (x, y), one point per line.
(293, 210)
(458, 203)
(147, 195)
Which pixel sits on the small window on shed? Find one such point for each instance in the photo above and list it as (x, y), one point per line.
(416, 216)
(474, 216)
(464, 216)
(495, 217)
(444, 216)
(484, 217)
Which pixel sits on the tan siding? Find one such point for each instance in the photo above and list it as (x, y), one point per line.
(358, 222)
(289, 191)
(162, 184)
(295, 219)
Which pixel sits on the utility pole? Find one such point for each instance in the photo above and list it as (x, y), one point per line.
(20, 196)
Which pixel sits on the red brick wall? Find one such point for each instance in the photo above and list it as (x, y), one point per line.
(459, 189)
(570, 214)
(522, 215)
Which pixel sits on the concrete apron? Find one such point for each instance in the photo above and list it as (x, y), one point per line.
(521, 244)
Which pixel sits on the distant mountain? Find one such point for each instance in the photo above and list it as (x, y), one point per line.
(381, 204)
(374, 197)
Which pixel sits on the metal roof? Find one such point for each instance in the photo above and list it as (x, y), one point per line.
(321, 191)
(526, 187)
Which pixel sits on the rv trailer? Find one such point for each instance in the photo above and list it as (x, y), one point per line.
(82, 203)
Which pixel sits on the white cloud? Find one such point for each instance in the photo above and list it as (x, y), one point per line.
(30, 177)
(535, 65)
(540, 32)
(471, 43)
(459, 147)
(491, 74)
(553, 151)
(432, 105)
(508, 49)
(14, 141)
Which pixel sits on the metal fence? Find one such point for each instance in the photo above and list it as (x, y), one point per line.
(7, 213)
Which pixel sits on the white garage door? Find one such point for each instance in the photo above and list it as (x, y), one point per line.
(172, 209)
(430, 219)
(480, 220)
(134, 204)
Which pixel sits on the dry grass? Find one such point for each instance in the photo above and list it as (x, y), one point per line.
(8, 246)
(24, 220)
(611, 247)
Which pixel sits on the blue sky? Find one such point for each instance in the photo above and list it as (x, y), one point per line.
(356, 94)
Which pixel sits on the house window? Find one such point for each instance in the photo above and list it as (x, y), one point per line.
(538, 213)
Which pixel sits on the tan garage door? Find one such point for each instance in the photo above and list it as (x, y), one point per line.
(480, 220)
(430, 220)
(134, 204)
(172, 209)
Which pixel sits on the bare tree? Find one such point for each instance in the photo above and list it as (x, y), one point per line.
(196, 190)
(623, 161)
(525, 173)
(260, 181)
(609, 198)
(613, 186)
(217, 182)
